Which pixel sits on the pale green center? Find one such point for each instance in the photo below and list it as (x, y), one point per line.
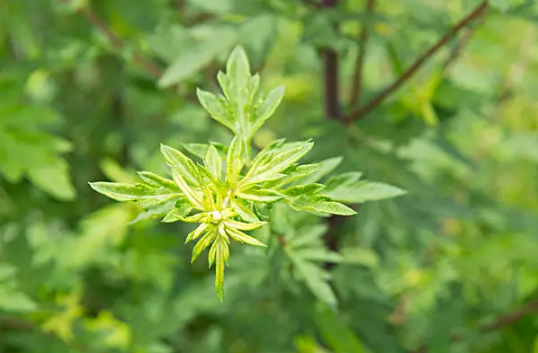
(217, 216)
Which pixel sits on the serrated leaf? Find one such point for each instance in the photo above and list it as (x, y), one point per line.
(260, 195)
(243, 238)
(181, 164)
(328, 165)
(244, 226)
(244, 211)
(178, 212)
(197, 232)
(155, 212)
(267, 108)
(319, 254)
(333, 207)
(365, 191)
(213, 162)
(309, 189)
(192, 195)
(234, 161)
(124, 192)
(157, 181)
(343, 179)
(222, 254)
(203, 243)
(315, 281)
(275, 162)
(217, 108)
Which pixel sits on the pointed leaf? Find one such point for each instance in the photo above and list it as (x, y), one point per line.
(234, 161)
(197, 232)
(260, 195)
(157, 181)
(192, 195)
(365, 191)
(309, 189)
(222, 254)
(244, 211)
(213, 162)
(178, 212)
(333, 207)
(243, 238)
(217, 108)
(181, 163)
(329, 165)
(203, 243)
(268, 107)
(244, 226)
(123, 192)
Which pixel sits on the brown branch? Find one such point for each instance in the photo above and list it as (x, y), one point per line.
(360, 113)
(331, 76)
(356, 88)
(117, 42)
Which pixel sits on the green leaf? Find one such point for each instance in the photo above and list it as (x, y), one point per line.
(238, 76)
(267, 107)
(234, 161)
(193, 196)
(360, 256)
(260, 195)
(213, 162)
(15, 301)
(197, 57)
(328, 165)
(501, 5)
(333, 207)
(157, 181)
(181, 210)
(203, 243)
(217, 108)
(319, 254)
(244, 210)
(338, 335)
(314, 278)
(124, 192)
(243, 238)
(197, 232)
(181, 164)
(244, 226)
(54, 178)
(309, 189)
(222, 255)
(365, 191)
(274, 162)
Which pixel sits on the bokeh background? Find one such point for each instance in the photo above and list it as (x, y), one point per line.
(88, 90)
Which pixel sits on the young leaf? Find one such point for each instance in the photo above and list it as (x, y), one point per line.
(197, 232)
(178, 212)
(123, 192)
(309, 189)
(222, 254)
(260, 195)
(213, 162)
(217, 108)
(243, 226)
(328, 165)
(267, 108)
(243, 238)
(181, 163)
(193, 196)
(234, 161)
(333, 207)
(365, 191)
(275, 162)
(157, 181)
(244, 210)
(203, 243)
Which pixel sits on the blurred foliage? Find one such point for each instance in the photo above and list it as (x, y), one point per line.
(88, 90)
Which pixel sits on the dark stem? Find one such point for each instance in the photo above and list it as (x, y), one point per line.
(362, 112)
(356, 88)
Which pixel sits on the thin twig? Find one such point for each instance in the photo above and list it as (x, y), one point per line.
(356, 88)
(499, 323)
(117, 42)
(362, 112)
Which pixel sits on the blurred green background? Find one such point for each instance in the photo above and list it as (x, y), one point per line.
(88, 90)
